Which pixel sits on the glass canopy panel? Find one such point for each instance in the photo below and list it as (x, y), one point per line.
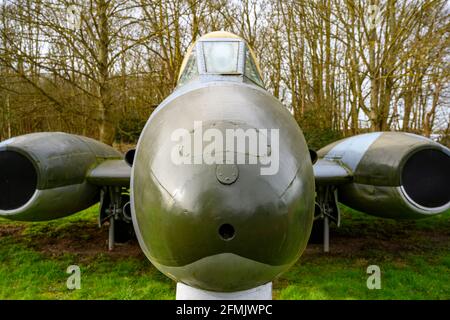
(191, 69)
(251, 71)
(221, 57)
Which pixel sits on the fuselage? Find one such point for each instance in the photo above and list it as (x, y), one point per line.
(222, 187)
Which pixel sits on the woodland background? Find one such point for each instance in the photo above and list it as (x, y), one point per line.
(343, 67)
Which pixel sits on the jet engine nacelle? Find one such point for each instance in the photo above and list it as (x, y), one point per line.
(43, 175)
(395, 175)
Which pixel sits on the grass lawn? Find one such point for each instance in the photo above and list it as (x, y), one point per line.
(414, 258)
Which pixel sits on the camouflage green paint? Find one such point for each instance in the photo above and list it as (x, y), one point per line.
(376, 186)
(178, 209)
(383, 162)
(62, 162)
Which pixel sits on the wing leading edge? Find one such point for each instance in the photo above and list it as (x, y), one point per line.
(331, 172)
(111, 173)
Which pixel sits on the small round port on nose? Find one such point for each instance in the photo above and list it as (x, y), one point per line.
(226, 231)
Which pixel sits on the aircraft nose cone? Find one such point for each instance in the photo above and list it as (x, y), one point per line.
(234, 210)
(214, 224)
(227, 228)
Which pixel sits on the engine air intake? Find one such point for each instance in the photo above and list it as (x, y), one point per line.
(18, 180)
(425, 178)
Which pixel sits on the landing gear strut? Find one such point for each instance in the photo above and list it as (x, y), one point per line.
(326, 211)
(115, 208)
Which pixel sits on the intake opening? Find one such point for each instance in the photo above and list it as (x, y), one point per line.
(18, 180)
(426, 178)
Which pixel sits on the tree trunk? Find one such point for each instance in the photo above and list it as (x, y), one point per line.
(106, 116)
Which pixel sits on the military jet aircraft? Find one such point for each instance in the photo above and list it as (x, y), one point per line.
(222, 190)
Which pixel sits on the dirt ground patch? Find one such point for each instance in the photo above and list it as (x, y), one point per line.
(10, 230)
(391, 243)
(84, 240)
(88, 241)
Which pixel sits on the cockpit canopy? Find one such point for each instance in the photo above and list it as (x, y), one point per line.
(219, 54)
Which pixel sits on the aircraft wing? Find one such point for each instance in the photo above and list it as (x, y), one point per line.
(331, 172)
(110, 173)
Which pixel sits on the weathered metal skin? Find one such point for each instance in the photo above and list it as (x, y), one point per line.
(378, 161)
(179, 209)
(59, 165)
(114, 172)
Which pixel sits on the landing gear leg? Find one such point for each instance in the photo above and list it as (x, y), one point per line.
(111, 234)
(327, 211)
(114, 207)
(326, 235)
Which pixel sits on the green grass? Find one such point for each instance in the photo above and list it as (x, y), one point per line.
(414, 258)
(28, 271)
